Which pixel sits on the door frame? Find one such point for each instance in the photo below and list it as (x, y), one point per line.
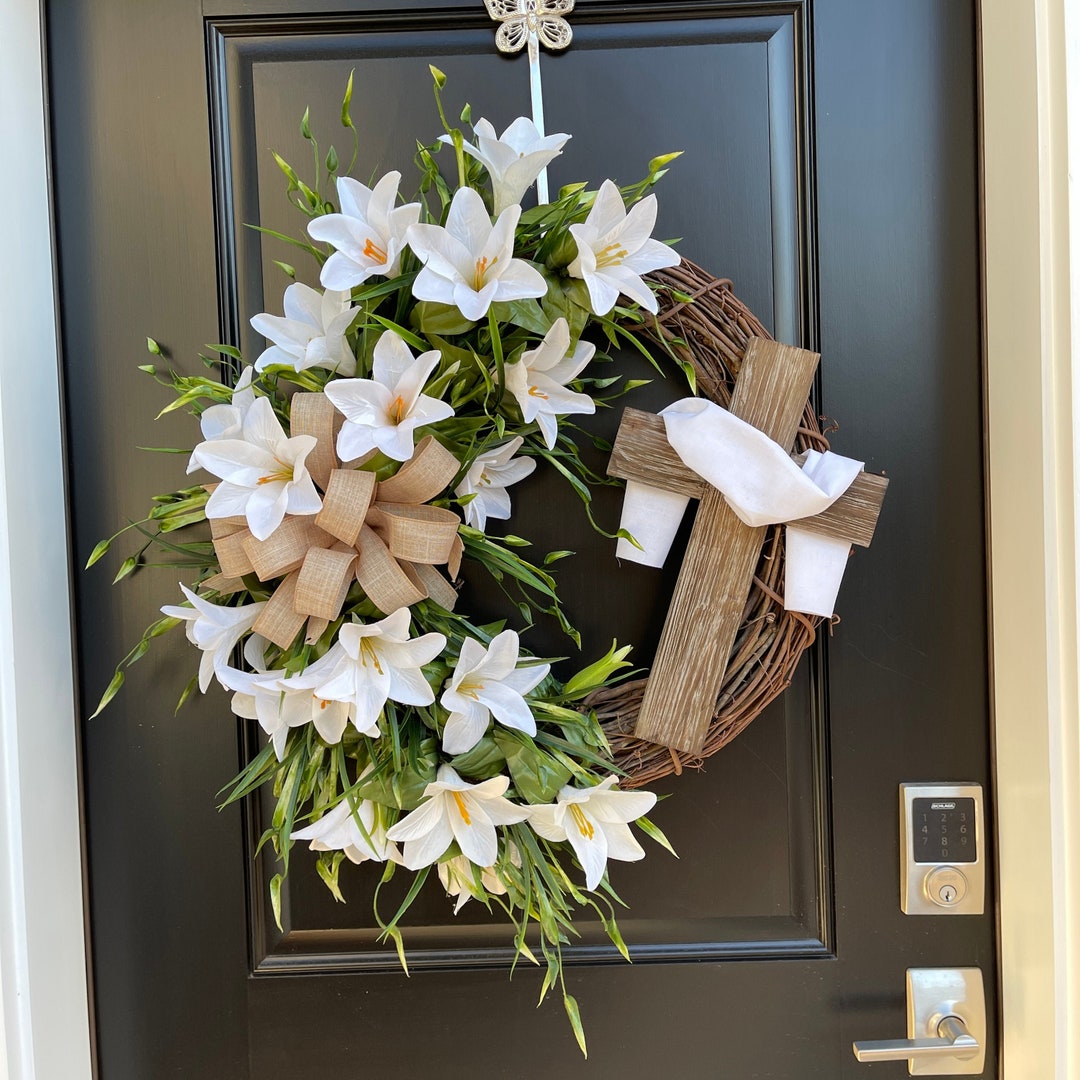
(1031, 235)
(1031, 246)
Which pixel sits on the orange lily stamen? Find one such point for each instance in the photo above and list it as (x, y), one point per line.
(612, 255)
(283, 474)
(367, 651)
(462, 808)
(482, 266)
(373, 251)
(585, 826)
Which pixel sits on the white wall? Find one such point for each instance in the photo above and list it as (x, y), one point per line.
(45, 1027)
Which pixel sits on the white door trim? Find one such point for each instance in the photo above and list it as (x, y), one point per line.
(1032, 258)
(45, 1031)
(1032, 319)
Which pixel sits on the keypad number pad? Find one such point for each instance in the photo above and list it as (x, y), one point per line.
(943, 830)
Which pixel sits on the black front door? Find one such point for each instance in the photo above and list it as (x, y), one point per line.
(830, 171)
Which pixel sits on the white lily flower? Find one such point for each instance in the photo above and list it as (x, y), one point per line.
(369, 233)
(485, 683)
(514, 159)
(538, 381)
(337, 830)
(279, 705)
(456, 810)
(262, 473)
(312, 333)
(615, 249)
(488, 477)
(456, 875)
(470, 263)
(383, 412)
(214, 628)
(373, 662)
(594, 821)
(227, 421)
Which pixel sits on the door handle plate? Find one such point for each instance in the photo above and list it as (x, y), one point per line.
(941, 1002)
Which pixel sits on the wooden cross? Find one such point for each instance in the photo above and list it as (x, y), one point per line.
(717, 571)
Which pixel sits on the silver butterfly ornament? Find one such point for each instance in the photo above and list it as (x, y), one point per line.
(521, 19)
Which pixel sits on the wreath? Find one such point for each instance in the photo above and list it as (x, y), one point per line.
(352, 467)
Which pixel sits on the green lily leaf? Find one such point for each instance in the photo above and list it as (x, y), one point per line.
(536, 774)
(524, 313)
(567, 299)
(485, 760)
(275, 898)
(403, 788)
(442, 319)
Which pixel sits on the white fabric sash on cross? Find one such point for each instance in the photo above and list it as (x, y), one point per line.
(761, 484)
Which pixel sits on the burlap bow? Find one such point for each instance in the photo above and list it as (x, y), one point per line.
(383, 533)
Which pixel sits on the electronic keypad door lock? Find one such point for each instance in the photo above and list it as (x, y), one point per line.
(946, 1025)
(942, 849)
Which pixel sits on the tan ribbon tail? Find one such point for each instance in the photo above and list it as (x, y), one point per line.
(279, 621)
(418, 534)
(284, 549)
(348, 496)
(232, 556)
(424, 476)
(223, 585)
(314, 414)
(385, 582)
(453, 564)
(315, 629)
(323, 583)
(438, 588)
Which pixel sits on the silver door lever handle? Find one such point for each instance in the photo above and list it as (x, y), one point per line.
(947, 1003)
(953, 1040)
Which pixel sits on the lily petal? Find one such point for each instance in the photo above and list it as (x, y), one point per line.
(429, 847)
(546, 820)
(591, 847)
(463, 731)
(474, 832)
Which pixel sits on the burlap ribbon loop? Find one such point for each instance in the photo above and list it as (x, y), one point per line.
(424, 476)
(417, 534)
(315, 415)
(387, 582)
(349, 494)
(401, 534)
(383, 534)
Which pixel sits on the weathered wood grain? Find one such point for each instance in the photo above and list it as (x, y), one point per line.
(642, 453)
(717, 570)
(854, 516)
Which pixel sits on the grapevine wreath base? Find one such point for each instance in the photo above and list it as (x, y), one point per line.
(711, 332)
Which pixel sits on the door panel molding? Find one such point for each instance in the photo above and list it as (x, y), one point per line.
(236, 48)
(311, 952)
